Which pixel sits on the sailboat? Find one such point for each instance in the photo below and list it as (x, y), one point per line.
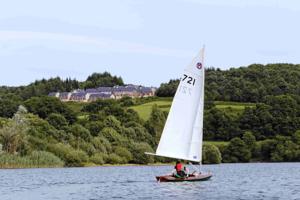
(182, 135)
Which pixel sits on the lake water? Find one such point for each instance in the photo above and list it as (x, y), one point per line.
(230, 181)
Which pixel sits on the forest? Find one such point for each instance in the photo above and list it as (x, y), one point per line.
(41, 131)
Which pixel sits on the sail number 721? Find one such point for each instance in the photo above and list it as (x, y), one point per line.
(190, 80)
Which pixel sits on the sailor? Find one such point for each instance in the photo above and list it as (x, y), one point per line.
(180, 170)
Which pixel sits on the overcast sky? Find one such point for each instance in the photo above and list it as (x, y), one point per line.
(145, 42)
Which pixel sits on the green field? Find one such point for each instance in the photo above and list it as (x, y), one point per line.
(75, 106)
(216, 143)
(233, 108)
(144, 110)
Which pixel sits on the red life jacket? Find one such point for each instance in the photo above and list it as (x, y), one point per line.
(178, 167)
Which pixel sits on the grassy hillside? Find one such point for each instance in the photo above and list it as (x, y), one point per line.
(233, 108)
(164, 104)
(144, 110)
(75, 106)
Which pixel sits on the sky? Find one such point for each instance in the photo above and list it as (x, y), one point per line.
(145, 42)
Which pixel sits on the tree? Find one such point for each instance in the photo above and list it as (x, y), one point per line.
(155, 123)
(237, 151)
(95, 127)
(14, 133)
(57, 120)
(44, 106)
(138, 151)
(111, 135)
(9, 105)
(137, 132)
(250, 141)
(113, 123)
(219, 125)
(126, 101)
(124, 154)
(102, 145)
(211, 154)
(102, 80)
(167, 89)
(259, 120)
(80, 133)
(285, 150)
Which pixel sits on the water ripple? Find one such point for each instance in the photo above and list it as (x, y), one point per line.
(230, 181)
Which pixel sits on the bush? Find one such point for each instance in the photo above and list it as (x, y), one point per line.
(95, 127)
(72, 157)
(76, 158)
(57, 120)
(98, 158)
(138, 152)
(111, 135)
(114, 159)
(126, 101)
(80, 132)
(101, 144)
(236, 151)
(14, 161)
(211, 154)
(87, 147)
(124, 154)
(45, 159)
(250, 141)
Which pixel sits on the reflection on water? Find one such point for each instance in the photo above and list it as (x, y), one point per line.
(230, 181)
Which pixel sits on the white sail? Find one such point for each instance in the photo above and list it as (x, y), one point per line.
(182, 134)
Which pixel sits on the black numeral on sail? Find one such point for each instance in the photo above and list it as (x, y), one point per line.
(190, 80)
(185, 76)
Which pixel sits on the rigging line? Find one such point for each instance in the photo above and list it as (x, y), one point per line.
(195, 168)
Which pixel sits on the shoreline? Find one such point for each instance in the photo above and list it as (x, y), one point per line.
(135, 165)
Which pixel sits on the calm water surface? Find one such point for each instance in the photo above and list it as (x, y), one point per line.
(230, 181)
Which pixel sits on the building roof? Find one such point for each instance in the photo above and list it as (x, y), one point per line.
(52, 94)
(78, 95)
(100, 95)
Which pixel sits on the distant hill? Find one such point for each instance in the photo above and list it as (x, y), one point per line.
(245, 84)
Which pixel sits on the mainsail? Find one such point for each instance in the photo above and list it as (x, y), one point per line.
(182, 134)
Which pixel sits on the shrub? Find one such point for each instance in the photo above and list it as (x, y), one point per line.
(111, 135)
(72, 157)
(138, 151)
(114, 159)
(101, 144)
(236, 151)
(57, 120)
(98, 158)
(95, 127)
(80, 132)
(14, 161)
(211, 154)
(45, 159)
(87, 147)
(124, 154)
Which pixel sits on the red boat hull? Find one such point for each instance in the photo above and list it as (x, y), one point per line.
(170, 178)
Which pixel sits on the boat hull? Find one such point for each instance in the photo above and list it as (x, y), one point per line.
(170, 178)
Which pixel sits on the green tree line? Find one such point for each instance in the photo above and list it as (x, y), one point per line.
(44, 87)
(245, 84)
(47, 132)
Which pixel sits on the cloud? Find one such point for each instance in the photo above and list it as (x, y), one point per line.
(14, 39)
(112, 15)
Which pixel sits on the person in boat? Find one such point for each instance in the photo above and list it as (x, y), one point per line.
(180, 170)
